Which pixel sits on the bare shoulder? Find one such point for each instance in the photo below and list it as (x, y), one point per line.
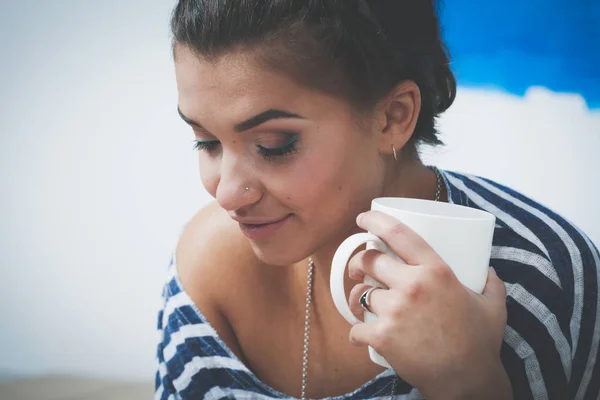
(209, 253)
(212, 256)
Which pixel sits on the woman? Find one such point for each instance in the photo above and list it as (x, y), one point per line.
(303, 112)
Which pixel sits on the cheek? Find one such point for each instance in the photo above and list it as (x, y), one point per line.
(351, 167)
(337, 184)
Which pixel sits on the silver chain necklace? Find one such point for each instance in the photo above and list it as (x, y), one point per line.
(311, 266)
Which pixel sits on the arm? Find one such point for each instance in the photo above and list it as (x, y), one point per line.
(550, 344)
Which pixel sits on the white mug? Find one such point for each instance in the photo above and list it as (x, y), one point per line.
(461, 236)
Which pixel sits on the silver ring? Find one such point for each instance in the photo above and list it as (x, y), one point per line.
(365, 299)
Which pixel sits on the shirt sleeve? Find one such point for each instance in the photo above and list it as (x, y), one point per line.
(550, 348)
(192, 361)
(163, 386)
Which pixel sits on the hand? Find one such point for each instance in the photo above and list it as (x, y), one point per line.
(438, 335)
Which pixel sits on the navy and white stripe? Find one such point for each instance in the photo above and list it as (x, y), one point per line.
(550, 270)
(551, 341)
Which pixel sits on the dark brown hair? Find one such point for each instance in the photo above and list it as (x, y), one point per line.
(356, 49)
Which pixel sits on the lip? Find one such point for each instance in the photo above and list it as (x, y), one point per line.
(260, 228)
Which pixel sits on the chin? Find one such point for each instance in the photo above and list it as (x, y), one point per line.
(277, 254)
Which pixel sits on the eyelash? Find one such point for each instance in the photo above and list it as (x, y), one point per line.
(268, 154)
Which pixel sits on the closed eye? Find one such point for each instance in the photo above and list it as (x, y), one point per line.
(287, 149)
(206, 145)
(268, 153)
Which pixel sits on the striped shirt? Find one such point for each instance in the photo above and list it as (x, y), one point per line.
(550, 269)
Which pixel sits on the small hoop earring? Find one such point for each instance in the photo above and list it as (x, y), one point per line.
(394, 153)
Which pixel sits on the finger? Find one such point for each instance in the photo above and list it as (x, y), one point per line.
(354, 300)
(377, 300)
(494, 289)
(362, 334)
(402, 240)
(379, 266)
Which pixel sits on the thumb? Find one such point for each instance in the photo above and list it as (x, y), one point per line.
(494, 287)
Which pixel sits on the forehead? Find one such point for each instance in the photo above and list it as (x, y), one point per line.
(236, 85)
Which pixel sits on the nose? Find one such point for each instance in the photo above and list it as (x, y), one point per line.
(236, 188)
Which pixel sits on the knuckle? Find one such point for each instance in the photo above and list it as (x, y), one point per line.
(414, 291)
(441, 272)
(380, 338)
(398, 228)
(397, 306)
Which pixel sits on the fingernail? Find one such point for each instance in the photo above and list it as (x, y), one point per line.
(493, 270)
(360, 216)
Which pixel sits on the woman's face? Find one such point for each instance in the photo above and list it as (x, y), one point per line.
(309, 167)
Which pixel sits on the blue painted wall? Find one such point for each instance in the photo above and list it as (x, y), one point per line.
(515, 44)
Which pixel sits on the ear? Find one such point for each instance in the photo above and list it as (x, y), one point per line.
(398, 113)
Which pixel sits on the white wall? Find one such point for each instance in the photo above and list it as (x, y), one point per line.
(98, 177)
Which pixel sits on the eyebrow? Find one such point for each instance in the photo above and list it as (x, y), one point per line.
(251, 122)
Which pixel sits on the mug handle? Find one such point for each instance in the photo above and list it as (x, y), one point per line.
(338, 270)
